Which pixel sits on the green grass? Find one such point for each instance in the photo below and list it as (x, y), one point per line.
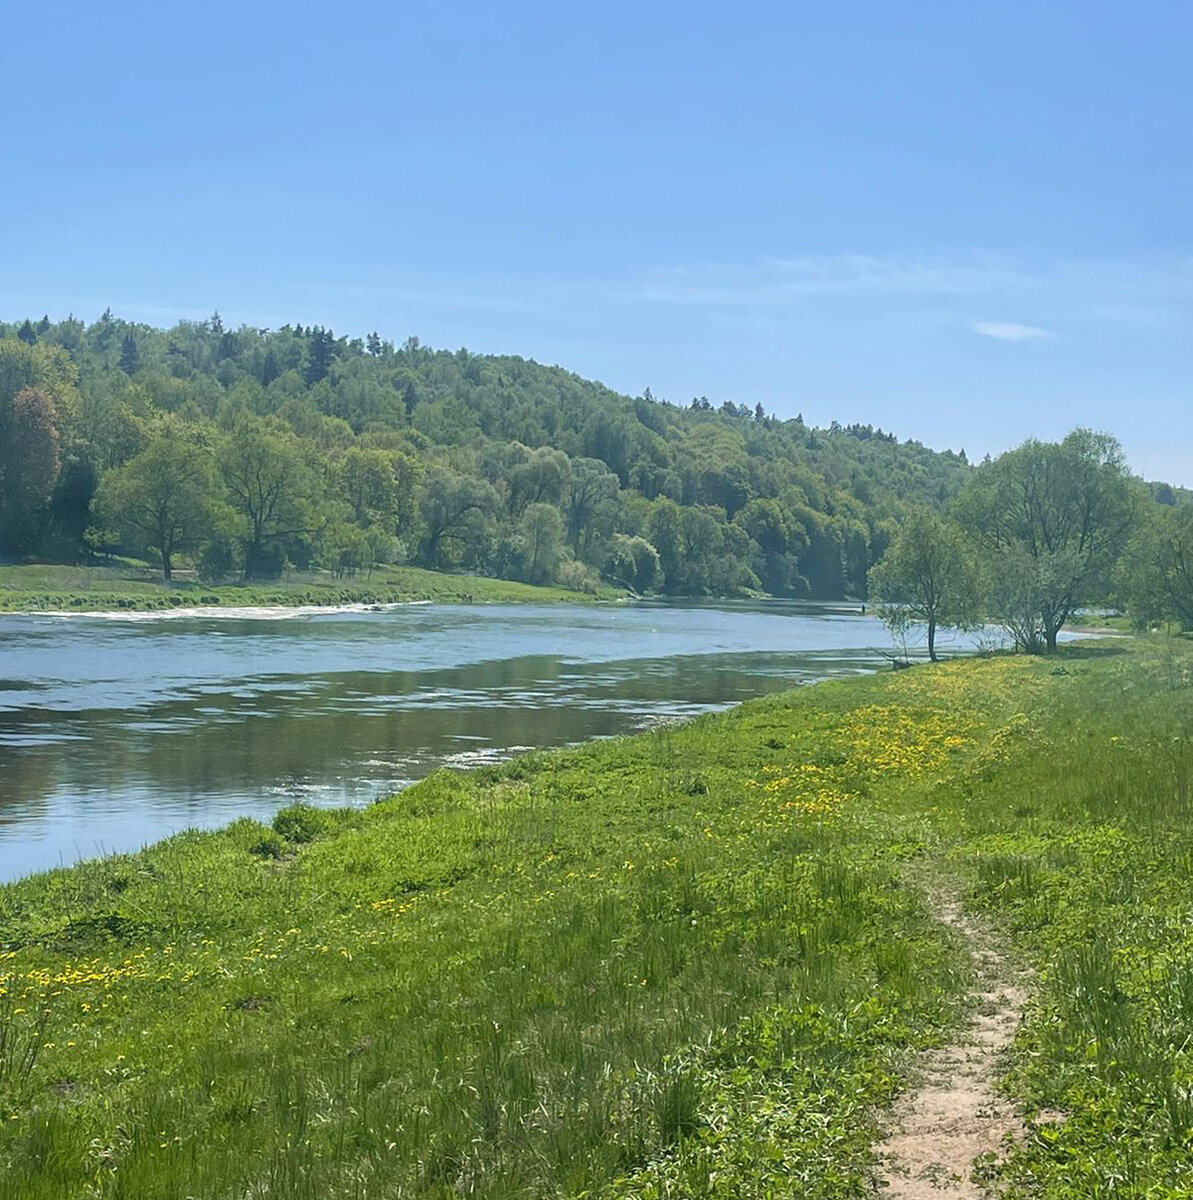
(34, 588)
(1117, 622)
(684, 964)
(1083, 849)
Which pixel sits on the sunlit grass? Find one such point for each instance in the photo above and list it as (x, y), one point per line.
(683, 964)
(1083, 847)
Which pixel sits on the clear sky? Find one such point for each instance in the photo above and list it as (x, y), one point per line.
(968, 223)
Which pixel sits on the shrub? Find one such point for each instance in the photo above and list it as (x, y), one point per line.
(578, 577)
(301, 823)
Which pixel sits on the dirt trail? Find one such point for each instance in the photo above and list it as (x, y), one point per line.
(953, 1114)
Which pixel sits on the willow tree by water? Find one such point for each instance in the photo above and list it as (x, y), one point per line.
(1051, 519)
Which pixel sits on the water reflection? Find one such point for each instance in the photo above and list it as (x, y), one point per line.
(116, 732)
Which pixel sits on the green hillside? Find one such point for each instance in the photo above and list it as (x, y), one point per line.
(246, 453)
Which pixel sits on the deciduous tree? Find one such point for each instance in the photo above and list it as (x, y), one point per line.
(368, 483)
(540, 532)
(270, 483)
(457, 511)
(29, 462)
(929, 576)
(589, 500)
(633, 562)
(1156, 573)
(1052, 519)
(166, 497)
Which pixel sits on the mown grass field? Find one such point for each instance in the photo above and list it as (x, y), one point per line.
(40, 588)
(692, 963)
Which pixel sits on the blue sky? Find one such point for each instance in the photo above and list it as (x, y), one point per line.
(966, 223)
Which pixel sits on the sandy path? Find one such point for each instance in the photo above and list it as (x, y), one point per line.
(953, 1115)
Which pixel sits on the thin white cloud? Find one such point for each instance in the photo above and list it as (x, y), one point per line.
(1007, 331)
(1157, 290)
(779, 282)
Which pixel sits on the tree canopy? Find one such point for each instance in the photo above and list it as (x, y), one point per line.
(928, 577)
(1052, 519)
(1155, 576)
(341, 452)
(166, 497)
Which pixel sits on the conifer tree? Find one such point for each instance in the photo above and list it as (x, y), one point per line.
(130, 356)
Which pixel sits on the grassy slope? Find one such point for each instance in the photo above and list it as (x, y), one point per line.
(38, 587)
(1086, 856)
(681, 964)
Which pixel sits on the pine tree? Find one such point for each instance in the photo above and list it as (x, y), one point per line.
(374, 343)
(130, 356)
(26, 334)
(105, 334)
(321, 354)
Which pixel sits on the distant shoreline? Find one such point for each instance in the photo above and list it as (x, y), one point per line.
(279, 611)
(259, 612)
(102, 591)
(67, 591)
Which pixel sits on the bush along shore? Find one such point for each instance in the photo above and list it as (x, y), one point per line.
(697, 962)
(67, 589)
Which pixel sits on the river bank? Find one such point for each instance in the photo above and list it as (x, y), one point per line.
(117, 729)
(693, 961)
(48, 589)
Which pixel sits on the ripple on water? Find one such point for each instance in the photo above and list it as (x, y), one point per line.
(173, 721)
(482, 757)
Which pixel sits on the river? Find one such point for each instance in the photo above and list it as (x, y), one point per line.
(117, 730)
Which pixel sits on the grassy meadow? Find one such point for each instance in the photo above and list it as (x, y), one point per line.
(42, 588)
(692, 963)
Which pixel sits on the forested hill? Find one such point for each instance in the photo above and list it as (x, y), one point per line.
(247, 451)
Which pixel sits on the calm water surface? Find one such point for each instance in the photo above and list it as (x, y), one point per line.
(118, 730)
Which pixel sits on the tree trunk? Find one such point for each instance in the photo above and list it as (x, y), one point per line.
(932, 638)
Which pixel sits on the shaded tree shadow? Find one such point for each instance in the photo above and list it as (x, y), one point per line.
(1090, 648)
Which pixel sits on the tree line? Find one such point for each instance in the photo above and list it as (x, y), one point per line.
(249, 452)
